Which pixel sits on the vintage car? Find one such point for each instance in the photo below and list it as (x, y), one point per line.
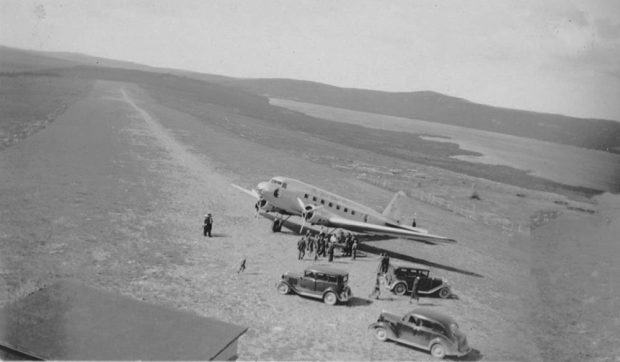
(423, 328)
(400, 282)
(319, 281)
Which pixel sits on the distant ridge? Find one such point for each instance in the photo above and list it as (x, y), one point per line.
(436, 107)
(431, 106)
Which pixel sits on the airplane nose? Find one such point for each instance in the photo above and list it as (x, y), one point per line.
(262, 187)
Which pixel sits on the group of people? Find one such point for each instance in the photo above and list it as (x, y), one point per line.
(323, 245)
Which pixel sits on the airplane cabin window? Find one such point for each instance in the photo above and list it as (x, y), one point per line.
(337, 207)
(330, 204)
(352, 212)
(305, 196)
(323, 202)
(346, 210)
(313, 198)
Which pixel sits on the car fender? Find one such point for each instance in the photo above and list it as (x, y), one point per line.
(291, 287)
(449, 346)
(331, 289)
(436, 289)
(389, 327)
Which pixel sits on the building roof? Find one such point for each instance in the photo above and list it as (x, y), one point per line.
(72, 321)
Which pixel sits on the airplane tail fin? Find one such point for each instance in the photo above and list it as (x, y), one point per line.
(393, 210)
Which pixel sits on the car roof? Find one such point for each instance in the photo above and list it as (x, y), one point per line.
(411, 267)
(433, 315)
(327, 270)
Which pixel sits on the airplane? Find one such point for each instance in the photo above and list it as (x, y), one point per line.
(288, 197)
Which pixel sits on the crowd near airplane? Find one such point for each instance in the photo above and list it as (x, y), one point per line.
(286, 197)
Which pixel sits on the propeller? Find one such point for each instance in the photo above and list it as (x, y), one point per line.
(305, 211)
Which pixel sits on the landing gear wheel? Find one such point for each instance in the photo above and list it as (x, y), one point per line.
(381, 334)
(330, 298)
(444, 292)
(283, 288)
(400, 289)
(276, 226)
(438, 351)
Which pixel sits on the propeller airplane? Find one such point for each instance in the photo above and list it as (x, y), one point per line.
(288, 197)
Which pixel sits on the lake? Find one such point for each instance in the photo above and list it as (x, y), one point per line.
(560, 163)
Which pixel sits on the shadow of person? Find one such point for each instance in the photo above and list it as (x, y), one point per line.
(218, 235)
(359, 302)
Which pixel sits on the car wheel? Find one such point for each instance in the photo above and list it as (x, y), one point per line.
(330, 298)
(381, 334)
(400, 289)
(444, 292)
(283, 288)
(438, 351)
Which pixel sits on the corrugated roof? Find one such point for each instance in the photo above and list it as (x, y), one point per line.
(72, 321)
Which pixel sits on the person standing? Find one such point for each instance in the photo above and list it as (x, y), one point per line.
(207, 225)
(414, 290)
(330, 251)
(242, 267)
(376, 293)
(301, 247)
(354, 248)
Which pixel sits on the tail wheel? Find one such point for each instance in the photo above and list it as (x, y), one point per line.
(283, 288)
(330, 298)
(400, 289)
(381, 334)
(438, 350)
(444, 292)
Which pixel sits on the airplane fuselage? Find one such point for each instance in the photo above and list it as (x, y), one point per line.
(284, 192)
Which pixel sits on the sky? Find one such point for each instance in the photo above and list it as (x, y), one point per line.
(558, 56)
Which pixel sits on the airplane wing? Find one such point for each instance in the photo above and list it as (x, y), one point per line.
(252, 192)
(362, 227)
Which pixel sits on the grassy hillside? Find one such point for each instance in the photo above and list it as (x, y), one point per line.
(430, 106)
(33, 95)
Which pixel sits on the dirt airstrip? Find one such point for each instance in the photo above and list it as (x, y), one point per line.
(113, 193)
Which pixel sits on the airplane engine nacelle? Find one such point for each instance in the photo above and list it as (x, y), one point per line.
(316, 217)
(264, 206)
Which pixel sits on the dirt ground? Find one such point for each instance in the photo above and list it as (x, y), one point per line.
(113, 193)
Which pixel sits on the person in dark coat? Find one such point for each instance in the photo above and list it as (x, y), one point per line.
(331, 252)
(414, 290)
(354, 248)
(207, 225)
(301, 246)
